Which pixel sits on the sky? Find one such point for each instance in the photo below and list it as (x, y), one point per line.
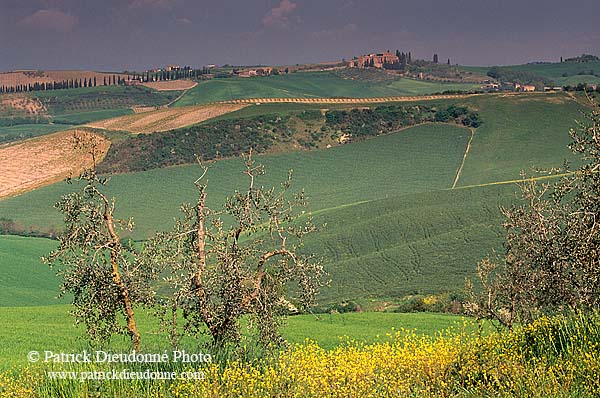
(139, 34)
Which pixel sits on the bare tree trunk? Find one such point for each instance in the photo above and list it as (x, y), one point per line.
(116, 275)
(201, 244)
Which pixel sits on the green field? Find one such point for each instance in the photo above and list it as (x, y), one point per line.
(307, 85)
(423, 243)
(394, 228)
(92, 99)
(366, 170)
(51, 328)
(91, 116)
(24, 131)
(575, 72)
(24, 280)
(519, 133)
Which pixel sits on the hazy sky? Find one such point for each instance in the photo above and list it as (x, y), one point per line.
(127, 34)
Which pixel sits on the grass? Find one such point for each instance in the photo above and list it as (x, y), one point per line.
(554, 71)
(393, 226)
(85, 100)
(24, 131)
(24, 280)
(57, 123)
(362, 171)
(553, 356)
(519, 133)
(307, 85)
(91, 116)
(52, 328)
(422, 243)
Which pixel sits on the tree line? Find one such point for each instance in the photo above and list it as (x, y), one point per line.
(108, 80)
(111, 80)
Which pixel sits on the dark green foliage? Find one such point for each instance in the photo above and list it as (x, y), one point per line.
(337, 308)
(374, 121)
(458, 114)
(228, 138)
(12, 227)
(583, 58)
(383, 119)
(17, 121)
(221, 139)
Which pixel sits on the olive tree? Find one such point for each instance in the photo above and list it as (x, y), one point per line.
(97, 267)
(242, 259)
(552, 257)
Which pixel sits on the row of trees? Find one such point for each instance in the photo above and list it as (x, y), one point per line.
(108, 80)
(187, 72)
(64, 84)
(219, 264)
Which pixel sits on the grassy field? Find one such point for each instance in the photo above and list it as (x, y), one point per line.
(309, 84)
(91, 116)
(393, 226)
(575, 72)
(24, 280)
(519, 133)
(84, 100)
(24, 131)
(423, 243)
(55, 331)
(331, 177)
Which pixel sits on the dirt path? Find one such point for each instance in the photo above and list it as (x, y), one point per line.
(459, 171)
(184, 92)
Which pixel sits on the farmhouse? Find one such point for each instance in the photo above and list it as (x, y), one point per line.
(374, 60)
(524, 87)
(255, 72)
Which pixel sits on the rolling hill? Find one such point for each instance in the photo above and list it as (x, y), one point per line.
(562, 73)
(331, 177)
(394, 226)
(311, 84)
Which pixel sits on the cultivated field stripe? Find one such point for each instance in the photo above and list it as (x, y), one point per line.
(41, 161)
(347, 100)
(166, 119)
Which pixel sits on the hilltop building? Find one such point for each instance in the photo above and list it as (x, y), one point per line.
(374, 60)
(266, 71)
